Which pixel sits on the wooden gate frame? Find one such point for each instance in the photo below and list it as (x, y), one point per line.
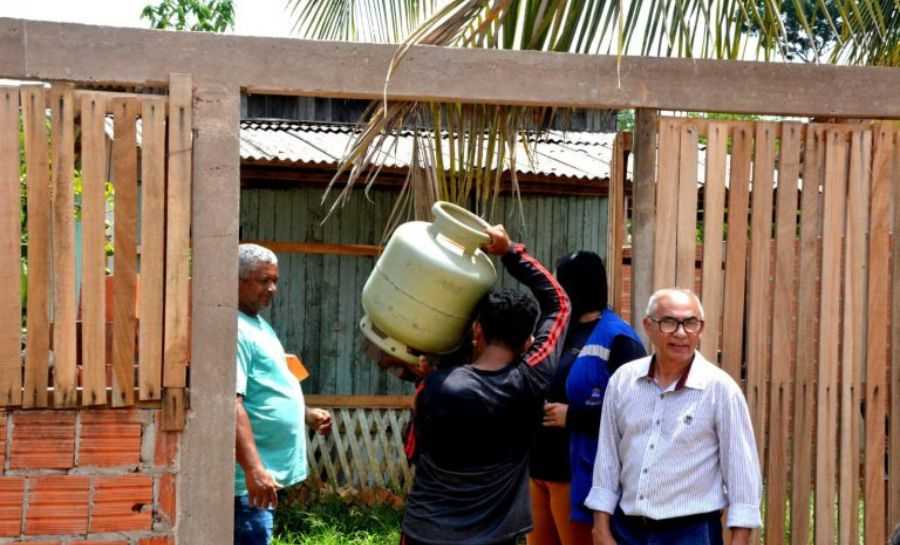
(223, 66)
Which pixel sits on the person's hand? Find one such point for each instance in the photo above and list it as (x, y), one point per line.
(423, 368)
(499, 243)
(319, 420)
(602, 537)
(600, 532)
(412, 372)
(555, 415)
(262, 488)
(740, 536)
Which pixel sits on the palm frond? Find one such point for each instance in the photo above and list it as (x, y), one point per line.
(466, 149)
(376, 21)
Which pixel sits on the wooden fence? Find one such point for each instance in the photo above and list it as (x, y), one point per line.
(365, 448)
(807, 332)
(80, 348)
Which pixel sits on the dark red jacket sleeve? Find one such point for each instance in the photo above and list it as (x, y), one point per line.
(538, 363)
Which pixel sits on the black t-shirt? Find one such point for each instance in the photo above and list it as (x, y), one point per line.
(474, 430)
(550, 454)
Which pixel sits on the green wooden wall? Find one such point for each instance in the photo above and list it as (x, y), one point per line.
(317, 308)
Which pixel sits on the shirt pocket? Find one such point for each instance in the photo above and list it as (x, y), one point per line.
(691, 425)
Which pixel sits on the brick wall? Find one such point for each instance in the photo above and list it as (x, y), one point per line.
(86, 477)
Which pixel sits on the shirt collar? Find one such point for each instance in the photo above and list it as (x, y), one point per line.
(695, 377)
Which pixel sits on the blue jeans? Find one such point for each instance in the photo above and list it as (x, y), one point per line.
(703, 529)
(252, 525)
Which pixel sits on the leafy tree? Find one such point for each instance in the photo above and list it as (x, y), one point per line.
(196, 15)
(796, 42)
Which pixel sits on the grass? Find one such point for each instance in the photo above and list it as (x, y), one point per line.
(333, 519)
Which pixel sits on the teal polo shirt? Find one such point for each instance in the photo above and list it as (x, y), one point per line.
(274, 402)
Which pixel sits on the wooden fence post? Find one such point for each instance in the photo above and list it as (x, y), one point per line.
(643, 226)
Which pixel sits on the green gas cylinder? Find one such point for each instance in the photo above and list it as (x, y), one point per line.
(426, 284)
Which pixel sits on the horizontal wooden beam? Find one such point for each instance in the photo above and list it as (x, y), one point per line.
(320, 248)
(83, 53)
(360, 401)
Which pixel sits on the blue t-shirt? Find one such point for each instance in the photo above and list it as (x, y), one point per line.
(274, 402)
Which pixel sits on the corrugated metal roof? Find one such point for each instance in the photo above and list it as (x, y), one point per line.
(570, 154)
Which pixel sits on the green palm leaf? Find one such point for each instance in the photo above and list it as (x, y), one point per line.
(378, 21)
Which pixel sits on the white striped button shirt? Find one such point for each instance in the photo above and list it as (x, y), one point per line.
(676, 452)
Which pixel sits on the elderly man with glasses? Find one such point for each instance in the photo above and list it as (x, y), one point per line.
(676, 443)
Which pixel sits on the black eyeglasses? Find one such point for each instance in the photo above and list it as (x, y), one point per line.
(670, 325)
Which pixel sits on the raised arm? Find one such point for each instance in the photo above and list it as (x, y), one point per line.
(542, 356)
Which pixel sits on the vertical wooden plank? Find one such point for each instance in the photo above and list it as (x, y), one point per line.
(560, 245)
(616, 221)
(93, 218)
(347, 300)
(759, 296)
(10, 251)
(830, 334)
(736, 252)
(300, 273)
(266, 229)
(382, 381)
(783, 346)
(807, 335)
(598, 229)
(37, 350)
(178, 233)
(153, 215)
(282, 320)
(713, 216)
(250, 213)
(877, 334)
(177, 332)
(364, 234)
(664, 254)
(542, 224)
(331, 289)
(854, 331)
(894, 447)
(62, 105)
(124, 166)
(686, 230)
(644, 218)
(575, 227)
(314, 288)
(172, 416)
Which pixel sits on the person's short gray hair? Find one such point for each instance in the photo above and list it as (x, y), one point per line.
(251, 256)
(666, 292)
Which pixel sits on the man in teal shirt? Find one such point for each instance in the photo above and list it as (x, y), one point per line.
(270, 413)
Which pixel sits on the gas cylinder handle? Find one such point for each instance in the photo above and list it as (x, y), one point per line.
(459, 225)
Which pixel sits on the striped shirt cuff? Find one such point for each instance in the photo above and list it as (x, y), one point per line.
(601, 499)
(744, 515)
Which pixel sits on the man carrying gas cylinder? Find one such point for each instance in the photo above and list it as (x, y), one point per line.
(475, 422)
